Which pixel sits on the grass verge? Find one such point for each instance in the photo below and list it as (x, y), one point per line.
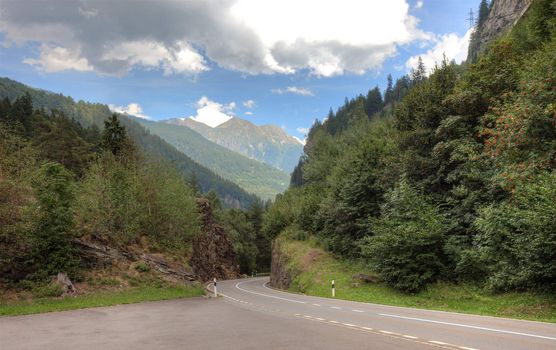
(313, 269)
(129, 296)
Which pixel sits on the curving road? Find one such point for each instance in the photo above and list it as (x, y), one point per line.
(252, 316)
(386, 327)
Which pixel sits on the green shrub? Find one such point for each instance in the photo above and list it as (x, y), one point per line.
(47, 290)
(517, 238)
(407, 249)
(142, 267)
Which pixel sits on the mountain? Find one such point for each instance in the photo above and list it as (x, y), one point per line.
(266, 143)
(88, 114)
(256, 177)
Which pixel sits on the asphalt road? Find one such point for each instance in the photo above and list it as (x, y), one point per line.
(253, 316)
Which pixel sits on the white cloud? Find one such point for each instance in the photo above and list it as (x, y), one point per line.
(249, 104)
(184, 37)
(293, 90)
(149, 54)
(303, 130)
(419, 4)
(133, 109)
(248, 113)
(56, 59)
(213, 113)
(451, 45)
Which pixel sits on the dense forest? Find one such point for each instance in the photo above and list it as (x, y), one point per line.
(60, 181)
(93, 115)
(449, 175)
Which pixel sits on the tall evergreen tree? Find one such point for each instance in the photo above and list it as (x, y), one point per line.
(21, 112)
(374, 102)
(52, 247)
(5, 107)
(418, 74)
(388, 94)
(484, 9)
(114, 137)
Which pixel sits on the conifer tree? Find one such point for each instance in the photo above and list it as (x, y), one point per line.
(114, 137)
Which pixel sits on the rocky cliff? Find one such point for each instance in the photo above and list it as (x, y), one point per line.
(213, 254)
(502, 16)
(280, 276)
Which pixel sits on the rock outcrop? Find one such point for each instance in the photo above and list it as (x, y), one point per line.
(280, 276)
(213, 253)
(96, 253)
(502, 16)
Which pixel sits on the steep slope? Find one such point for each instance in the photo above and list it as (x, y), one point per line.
(255, 177)
(266, 143)
(95, 114)
(502, 16)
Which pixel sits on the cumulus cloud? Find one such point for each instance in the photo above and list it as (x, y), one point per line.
(212, 113)
(293, 90)
(303, 130)
(248, 113)
(133, 109)
(56, 59)
(186, 37)
(419, 4)
(451, 45)
(249, 104)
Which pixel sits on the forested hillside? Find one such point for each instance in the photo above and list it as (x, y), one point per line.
(73, 196)
(256, 177)
(93, 115)
(60, 181)
(451, 178)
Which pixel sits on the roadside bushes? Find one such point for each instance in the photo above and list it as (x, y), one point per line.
(123, 201)
(517, 238)
(407, 246)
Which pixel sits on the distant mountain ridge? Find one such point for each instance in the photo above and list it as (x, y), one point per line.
(88, 114)
(269, 144)
(256, 177)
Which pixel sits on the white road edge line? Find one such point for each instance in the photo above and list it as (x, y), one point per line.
(336, 307)
(438, 342)
(266, 295)
(466, 348)
(470, 326)
(355, 310)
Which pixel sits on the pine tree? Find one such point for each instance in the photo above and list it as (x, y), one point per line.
(52, 247)
(5, 107)
(114, 136)
(388, 95)
(373, 103)
(484, 9)
(418, 74)
(21, 112)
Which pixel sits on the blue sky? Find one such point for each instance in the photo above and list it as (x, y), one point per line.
(164, 66)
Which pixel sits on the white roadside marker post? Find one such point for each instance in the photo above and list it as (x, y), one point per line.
(215, 291)
(333, 289)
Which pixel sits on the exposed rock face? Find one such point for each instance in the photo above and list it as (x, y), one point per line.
(67, 286)
(95, 253)
(280, 276)
(503, 15)
(213, 253)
